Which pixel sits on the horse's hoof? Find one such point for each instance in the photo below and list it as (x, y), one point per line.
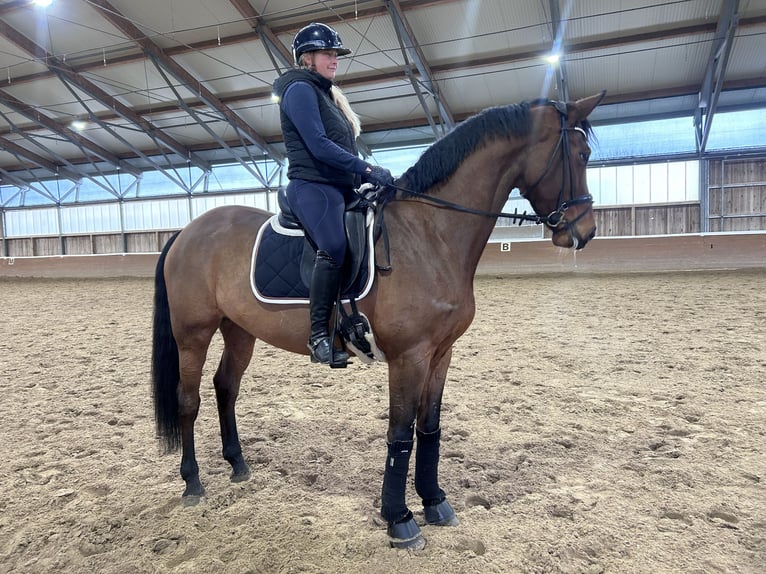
(441, 514)
(240, 472)
(194, 490)
(189, 500)
(240, 476)
(405, 535)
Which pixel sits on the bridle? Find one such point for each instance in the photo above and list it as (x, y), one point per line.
(556, 220)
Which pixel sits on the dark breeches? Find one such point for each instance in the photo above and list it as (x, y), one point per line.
(320, 208)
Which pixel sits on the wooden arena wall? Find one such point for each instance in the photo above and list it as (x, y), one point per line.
(629, 221)
(89, 244)
(602, 255)
(737, 194)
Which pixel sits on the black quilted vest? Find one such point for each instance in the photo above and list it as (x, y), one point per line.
(302, 165)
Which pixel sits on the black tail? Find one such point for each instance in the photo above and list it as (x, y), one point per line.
(165, 369)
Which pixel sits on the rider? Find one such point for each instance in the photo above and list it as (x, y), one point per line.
(320, 131)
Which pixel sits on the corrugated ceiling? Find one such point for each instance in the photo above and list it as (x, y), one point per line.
(166, 82)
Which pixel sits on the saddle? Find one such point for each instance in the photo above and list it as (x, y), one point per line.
(283, 262)
(355, 221)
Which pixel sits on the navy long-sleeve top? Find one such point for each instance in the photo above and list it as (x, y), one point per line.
(300, 104)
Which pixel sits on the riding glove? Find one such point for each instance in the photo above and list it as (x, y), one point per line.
(379, 176)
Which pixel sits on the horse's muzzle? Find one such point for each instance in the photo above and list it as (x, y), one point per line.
(580, 243)
(569, 238)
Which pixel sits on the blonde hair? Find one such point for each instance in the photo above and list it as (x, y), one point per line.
(341, 101)
(339, 98)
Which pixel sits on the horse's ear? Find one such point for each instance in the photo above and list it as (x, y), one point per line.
(581, 109)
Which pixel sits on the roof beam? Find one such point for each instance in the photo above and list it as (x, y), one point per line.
(562, 84)
(67, 74)
(341, 13)
(112, 132)
(715, 72)
(22, 184)
(679, 91)
(274, 47)
(39, 160)
(251, 166)
(407, 40)
(700, 28)
(13, 5)
(44, 121)
(182, 75)
(64, 167)
(505, 57)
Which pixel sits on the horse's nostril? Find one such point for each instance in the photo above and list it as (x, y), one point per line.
(578, 245)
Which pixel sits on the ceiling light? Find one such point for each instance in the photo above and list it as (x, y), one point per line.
(78, 125)
(552, 58)
(42, 3)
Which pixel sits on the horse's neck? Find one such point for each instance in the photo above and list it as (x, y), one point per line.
(482, 182)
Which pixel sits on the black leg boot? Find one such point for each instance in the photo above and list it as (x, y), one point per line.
(325, 283)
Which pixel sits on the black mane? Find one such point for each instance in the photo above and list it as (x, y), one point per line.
(441, 160)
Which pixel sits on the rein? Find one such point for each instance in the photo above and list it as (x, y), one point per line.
(457, 207)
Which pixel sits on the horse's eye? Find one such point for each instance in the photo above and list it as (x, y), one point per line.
(584, 156)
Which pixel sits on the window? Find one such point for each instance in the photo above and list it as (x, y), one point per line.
(398, 160)
(737, 130)
(644, 139)
(663, 182)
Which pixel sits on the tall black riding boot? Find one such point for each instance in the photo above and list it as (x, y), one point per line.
(325, 283)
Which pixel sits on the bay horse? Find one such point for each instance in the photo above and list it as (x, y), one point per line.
(438, 223)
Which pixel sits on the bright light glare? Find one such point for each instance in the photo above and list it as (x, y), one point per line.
(552, 58)
(78, 125)
(42, 3)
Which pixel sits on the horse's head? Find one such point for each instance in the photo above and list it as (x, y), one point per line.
(553, 179)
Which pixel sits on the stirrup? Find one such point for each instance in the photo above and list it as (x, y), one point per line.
(322, 351)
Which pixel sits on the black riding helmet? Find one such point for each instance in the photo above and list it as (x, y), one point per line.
(317, 36)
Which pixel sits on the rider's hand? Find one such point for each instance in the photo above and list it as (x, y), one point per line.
(379, 176)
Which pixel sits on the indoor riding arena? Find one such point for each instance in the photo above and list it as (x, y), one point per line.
(604, 412)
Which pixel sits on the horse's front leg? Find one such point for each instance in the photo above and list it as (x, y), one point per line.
(238, 350)
(406, 376)
(436, 509)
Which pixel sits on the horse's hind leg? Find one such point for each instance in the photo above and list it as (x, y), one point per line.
(237, 352)
(191, 354)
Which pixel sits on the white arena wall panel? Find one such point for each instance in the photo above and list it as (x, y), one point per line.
(156, 214)
(93, 218)
(31, 222)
